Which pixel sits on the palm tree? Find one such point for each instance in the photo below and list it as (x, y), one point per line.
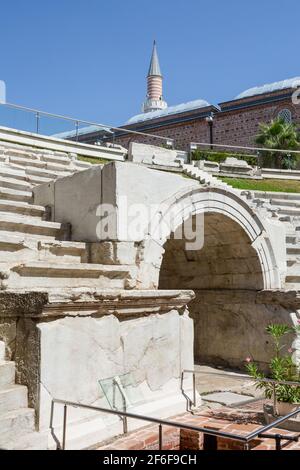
(279, 134)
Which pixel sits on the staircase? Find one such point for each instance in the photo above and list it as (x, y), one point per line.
(203, 177)
(286, 206)
(36, 253)
(17, 421)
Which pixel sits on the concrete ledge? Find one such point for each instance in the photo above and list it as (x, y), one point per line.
(52, 143)
(280, 174)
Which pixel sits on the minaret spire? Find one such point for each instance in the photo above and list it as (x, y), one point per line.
(154, 100)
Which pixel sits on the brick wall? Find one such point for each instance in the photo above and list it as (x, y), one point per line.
(231, 422)
(230, 126)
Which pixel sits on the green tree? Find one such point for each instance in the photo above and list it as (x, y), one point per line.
(278, 135)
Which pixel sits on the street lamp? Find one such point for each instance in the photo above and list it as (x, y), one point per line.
(210, 120)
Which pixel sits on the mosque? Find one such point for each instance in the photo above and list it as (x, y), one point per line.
(234, 122)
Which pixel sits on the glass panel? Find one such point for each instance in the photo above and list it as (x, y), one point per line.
(121, 392)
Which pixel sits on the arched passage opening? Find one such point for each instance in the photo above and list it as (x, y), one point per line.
(225, 274)
(239, 257)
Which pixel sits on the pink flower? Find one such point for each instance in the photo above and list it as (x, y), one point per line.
(290, 350)
(298, 321)
(248, 359)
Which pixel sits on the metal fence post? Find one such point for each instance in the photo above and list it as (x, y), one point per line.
(37, 122)
(160, 437)
(64, 428)
(278, 441)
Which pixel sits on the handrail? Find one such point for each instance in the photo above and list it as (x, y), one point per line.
(245, 376)
(262, 380)
(123, 418)
(76, 121)
(257, 149)
(163, 422)
(189, 402)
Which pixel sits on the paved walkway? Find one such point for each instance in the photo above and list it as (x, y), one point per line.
(210, 381)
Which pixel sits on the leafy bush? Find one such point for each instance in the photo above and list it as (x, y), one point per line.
(282, 367)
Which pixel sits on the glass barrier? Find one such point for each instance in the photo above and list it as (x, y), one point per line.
(121, 392)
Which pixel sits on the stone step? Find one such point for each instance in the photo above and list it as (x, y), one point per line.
(45, 172)
(23, 248)
(16, 423)
(7, 171)
(58, 246)
(293, 274)
(291, 238)
(61, 251)
(292, 261)
(289, 285)
(35, 180)
(12, 397)
(20, 152)
(275, 196)
(81, 164)
(291, 211)
(61, 168)
(62, 160)
(53, 165)
(293, 249)
(30, 441)
(286, 219)
(21, 162)
(18, 207)
(29, 225)
(53, 275)
(15, 195)
(285, 202)
(13, 183)
(7, 373)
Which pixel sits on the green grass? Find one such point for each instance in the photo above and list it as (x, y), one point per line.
(284, 186)
(94, 160)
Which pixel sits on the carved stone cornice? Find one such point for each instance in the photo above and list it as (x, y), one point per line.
(85, 302)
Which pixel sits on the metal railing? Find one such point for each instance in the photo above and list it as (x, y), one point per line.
(242, 376)
(36, 125)
(194, 146)
(190, 402)
(246, 440)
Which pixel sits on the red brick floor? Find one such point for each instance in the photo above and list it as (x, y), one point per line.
(225, 419)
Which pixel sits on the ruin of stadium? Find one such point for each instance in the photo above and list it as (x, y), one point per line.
(113, 318)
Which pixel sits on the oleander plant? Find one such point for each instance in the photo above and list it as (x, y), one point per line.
(282, 367)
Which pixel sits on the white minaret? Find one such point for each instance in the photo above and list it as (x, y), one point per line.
(154, 99)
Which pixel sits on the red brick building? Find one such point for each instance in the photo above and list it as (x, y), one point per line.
(234, 122)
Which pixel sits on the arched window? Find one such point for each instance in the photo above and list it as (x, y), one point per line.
(286, 115)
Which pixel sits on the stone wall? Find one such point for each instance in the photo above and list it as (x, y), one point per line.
(230, 326)
(65, 342)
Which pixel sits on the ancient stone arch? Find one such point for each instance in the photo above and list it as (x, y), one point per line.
(239, 259)
(260, 232)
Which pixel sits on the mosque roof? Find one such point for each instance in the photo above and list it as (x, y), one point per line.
(269, 87)
(81, 131)
(179, 108)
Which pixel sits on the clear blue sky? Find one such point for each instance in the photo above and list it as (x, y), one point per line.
(88, 59)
